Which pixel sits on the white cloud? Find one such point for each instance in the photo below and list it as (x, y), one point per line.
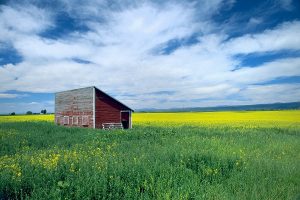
(273, 93)
(23, 20)
(8, 96)
(124, 49)
(252, 94)
(283, 37)
(47, 76)
(266, 72)
(254, 21)
(33, 47)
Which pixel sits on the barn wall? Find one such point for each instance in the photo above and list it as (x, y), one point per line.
(75, 103)
(106, 109)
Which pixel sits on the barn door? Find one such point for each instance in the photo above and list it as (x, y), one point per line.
(125, 119)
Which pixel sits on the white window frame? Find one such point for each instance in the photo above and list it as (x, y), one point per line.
(66, 120)
(85, 118)
(70, 120)
(57, 120)
(75, 122)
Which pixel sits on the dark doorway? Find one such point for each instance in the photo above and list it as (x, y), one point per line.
(125, 119)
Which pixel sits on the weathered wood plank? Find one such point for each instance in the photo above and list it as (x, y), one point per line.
(78, 103)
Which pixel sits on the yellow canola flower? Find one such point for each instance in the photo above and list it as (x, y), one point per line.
(72, 167)
(216, 171)
(245, 119)
(47, 161)
(242, 119)
(10, 165)
(209, 171)
(29, 118)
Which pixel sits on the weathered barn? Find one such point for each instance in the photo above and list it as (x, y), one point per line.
(91, 107)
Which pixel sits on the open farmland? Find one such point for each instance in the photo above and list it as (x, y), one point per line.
(209, 155)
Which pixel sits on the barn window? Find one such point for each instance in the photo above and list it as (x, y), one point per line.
(66, 120)
(57, 120)
(85, 120)
(75, 120)
(61, 120)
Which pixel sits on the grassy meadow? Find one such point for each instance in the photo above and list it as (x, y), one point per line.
(205, 155)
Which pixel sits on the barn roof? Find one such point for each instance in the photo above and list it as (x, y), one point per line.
(118, 102)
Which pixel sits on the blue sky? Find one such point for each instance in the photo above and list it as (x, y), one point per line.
(150, 54)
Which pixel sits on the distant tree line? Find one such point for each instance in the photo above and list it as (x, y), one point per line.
(28, 113)
(44, 111)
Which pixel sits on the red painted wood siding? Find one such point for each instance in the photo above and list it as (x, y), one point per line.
(107, 109)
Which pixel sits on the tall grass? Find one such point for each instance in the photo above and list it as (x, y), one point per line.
(39, 160)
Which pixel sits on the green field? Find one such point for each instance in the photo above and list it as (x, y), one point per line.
(212, 155)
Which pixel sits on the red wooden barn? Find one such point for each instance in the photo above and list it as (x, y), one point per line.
(91, 107)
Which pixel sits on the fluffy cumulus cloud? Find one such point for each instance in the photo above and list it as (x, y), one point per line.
(148, 53)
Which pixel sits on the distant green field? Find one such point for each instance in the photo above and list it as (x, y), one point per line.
(210, 155)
